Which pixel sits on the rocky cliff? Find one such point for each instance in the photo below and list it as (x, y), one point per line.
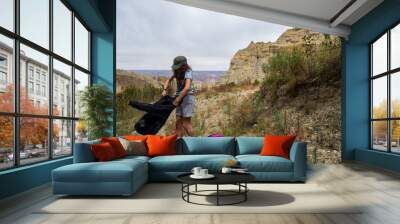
(246, 64)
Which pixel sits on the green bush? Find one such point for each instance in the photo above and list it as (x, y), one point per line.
(97, 104)
(297, 66)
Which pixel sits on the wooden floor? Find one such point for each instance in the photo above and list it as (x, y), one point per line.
(379, 189)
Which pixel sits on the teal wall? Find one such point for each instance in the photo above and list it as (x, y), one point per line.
(356, 101)
(99, 16)
(103, 64)
(24, 178)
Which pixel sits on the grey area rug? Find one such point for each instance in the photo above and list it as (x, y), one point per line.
(166, 198)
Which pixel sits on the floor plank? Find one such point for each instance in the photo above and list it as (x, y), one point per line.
(376, 189)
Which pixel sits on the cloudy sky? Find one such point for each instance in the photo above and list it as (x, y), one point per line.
(151, 33)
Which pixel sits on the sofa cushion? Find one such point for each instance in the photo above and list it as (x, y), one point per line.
(206, 145)
(249, 145)
(257, 163)
(112, 171)
(116, 145)
(103, 152)
(277, 145)
(135, 147)
(161, 145)
(185, 163)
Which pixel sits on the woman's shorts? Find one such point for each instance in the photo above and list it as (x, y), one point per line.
(186, 108)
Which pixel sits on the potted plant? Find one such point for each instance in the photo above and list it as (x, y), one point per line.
(96, 102)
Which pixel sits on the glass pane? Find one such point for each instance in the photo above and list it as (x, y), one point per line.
(379, 97)
(33, 139)
(379, 55)
(35, 21)
(379, 135)
(34, 97)
(62, 29)
(395, 47)
(6, 75)
(6, 142)
(395, 136)
(7, 14)
(81, 45)
(395, 95)
(62, 89)
(62, 138)
(81, 82)
(81, 131)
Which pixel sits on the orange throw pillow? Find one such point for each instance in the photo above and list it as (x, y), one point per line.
(116, 145)
(103, 152)
(277, 145)
(161, 145)
(135, 137)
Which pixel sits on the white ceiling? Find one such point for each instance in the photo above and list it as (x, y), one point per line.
(317, 15)
(321, 9)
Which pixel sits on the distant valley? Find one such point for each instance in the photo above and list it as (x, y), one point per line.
(204, 76)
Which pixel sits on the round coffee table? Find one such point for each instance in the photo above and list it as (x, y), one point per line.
(238, 179)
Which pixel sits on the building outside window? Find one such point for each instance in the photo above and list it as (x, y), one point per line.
(38, 89)
(3, 72)
(385, 91)
(43, 77)
(34, 75)
(30, 72)
(30, 87)
(43, 90)
(37, 75)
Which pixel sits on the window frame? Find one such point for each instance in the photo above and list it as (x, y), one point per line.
(388, 74)
(16, 114)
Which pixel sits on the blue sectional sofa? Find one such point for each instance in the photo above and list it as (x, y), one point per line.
(125, 176)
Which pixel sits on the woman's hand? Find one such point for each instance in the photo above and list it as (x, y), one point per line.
(177, 101)
(164, 92)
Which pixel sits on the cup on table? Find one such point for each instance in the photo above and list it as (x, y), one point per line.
(196, 171)
(226, 170)
(203, 172)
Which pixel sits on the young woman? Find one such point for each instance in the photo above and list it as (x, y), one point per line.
(185, 100)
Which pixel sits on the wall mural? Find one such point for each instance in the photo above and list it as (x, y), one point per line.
(290, 86)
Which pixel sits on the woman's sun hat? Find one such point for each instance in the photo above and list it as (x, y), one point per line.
(178, 62)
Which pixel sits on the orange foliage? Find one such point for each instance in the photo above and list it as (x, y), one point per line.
(33, 130)
(380, 127)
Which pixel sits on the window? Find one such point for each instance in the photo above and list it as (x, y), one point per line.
(3, 71)
(30, 72)
(44, 91)
(37, 89)
(30, 88)
(81, 82)
(3, 78)
(7, 14)
(385, 92)
(35, 21)
(33, 148)
(47, 74)
(62, 29)
(62, 137)
(81, 45)
(6, 142)
(3, 61)
(37, 75)
(61, 75)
